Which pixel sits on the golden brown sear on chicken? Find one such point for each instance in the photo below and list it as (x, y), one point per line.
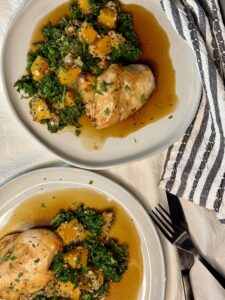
(116, 94)
(24, 262)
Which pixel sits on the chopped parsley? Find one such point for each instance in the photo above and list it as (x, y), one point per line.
(43, 205)
(127, 87)
(105, 85)
(20, 275)
(143, 99)
(36, 261)
(107, 111)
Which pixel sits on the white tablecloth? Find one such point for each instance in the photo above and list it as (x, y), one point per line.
(20, 152)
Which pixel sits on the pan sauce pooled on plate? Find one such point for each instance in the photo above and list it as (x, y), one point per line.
(75, 259)
(94, 41)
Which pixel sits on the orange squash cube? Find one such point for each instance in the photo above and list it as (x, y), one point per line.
(71, 232)
(69, 99)
(102, 46)
(108, 17)
(87, 33)
(68, 77)
(67, 289)
(84, 6)
(39, 110)
(39, 68)
(77, 258)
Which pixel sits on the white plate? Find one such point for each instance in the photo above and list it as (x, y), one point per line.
(151, 138)
(52, 179)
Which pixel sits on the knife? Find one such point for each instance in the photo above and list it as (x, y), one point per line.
(186, 259)
(222, 8)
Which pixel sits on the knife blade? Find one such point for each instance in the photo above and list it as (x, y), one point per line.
(222, 8)
(186, 259)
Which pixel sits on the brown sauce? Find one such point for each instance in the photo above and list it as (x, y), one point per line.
(41, 209)
(155, 47)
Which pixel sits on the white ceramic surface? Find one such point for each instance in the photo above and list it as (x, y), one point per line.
(52, 179)
(151, 138)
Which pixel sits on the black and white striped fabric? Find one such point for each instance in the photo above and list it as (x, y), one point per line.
(195, 165)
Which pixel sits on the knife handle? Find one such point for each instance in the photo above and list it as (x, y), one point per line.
(213, 271)
(187, 285)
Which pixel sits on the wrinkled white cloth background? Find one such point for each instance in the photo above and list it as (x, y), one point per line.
(20, 152)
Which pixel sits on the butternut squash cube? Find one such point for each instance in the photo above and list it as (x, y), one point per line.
(108, 17)
(77, 258)
(85, 6)
(88, 33)
(102, 46)
(67, 289)
(39, 68)
(39, 110)
(68, 77)
(71, 232)
(69, 99)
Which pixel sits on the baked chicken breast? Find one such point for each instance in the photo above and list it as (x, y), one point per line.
(24, 262)
(116, 94)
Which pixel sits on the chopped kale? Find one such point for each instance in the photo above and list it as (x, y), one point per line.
(126, 53)
(101, 29)
(97, 5)
(31, 56)
(105, 257)
(50, 50)
(62, 271)
(50, 88)
(50, 32)
(91, 219)
(125, 27)
(89, 61)
(67, 45)
(124, 22)
(62, 217)
(76, 13)
(27, 85)
(70, 115)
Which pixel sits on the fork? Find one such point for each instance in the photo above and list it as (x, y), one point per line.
(179, 236)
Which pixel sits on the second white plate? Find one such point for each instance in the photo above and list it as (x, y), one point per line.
(53, 179)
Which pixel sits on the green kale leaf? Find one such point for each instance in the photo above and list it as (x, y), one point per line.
(27, 85)
(50, 88)
(91, 219)
(125, 53)
(62, 217)
(62, 271)
(111, 259)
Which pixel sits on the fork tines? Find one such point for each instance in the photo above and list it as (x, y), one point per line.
(162, 220)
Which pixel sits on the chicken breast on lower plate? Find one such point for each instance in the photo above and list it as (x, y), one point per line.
(24, 262)
(116, 94)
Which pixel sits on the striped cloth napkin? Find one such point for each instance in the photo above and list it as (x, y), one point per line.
(195, 165)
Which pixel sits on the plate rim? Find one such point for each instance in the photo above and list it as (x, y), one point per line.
(89, 174)
(75, 161)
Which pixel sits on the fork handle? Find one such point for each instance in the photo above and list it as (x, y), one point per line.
(188, 293)
(213, 271)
